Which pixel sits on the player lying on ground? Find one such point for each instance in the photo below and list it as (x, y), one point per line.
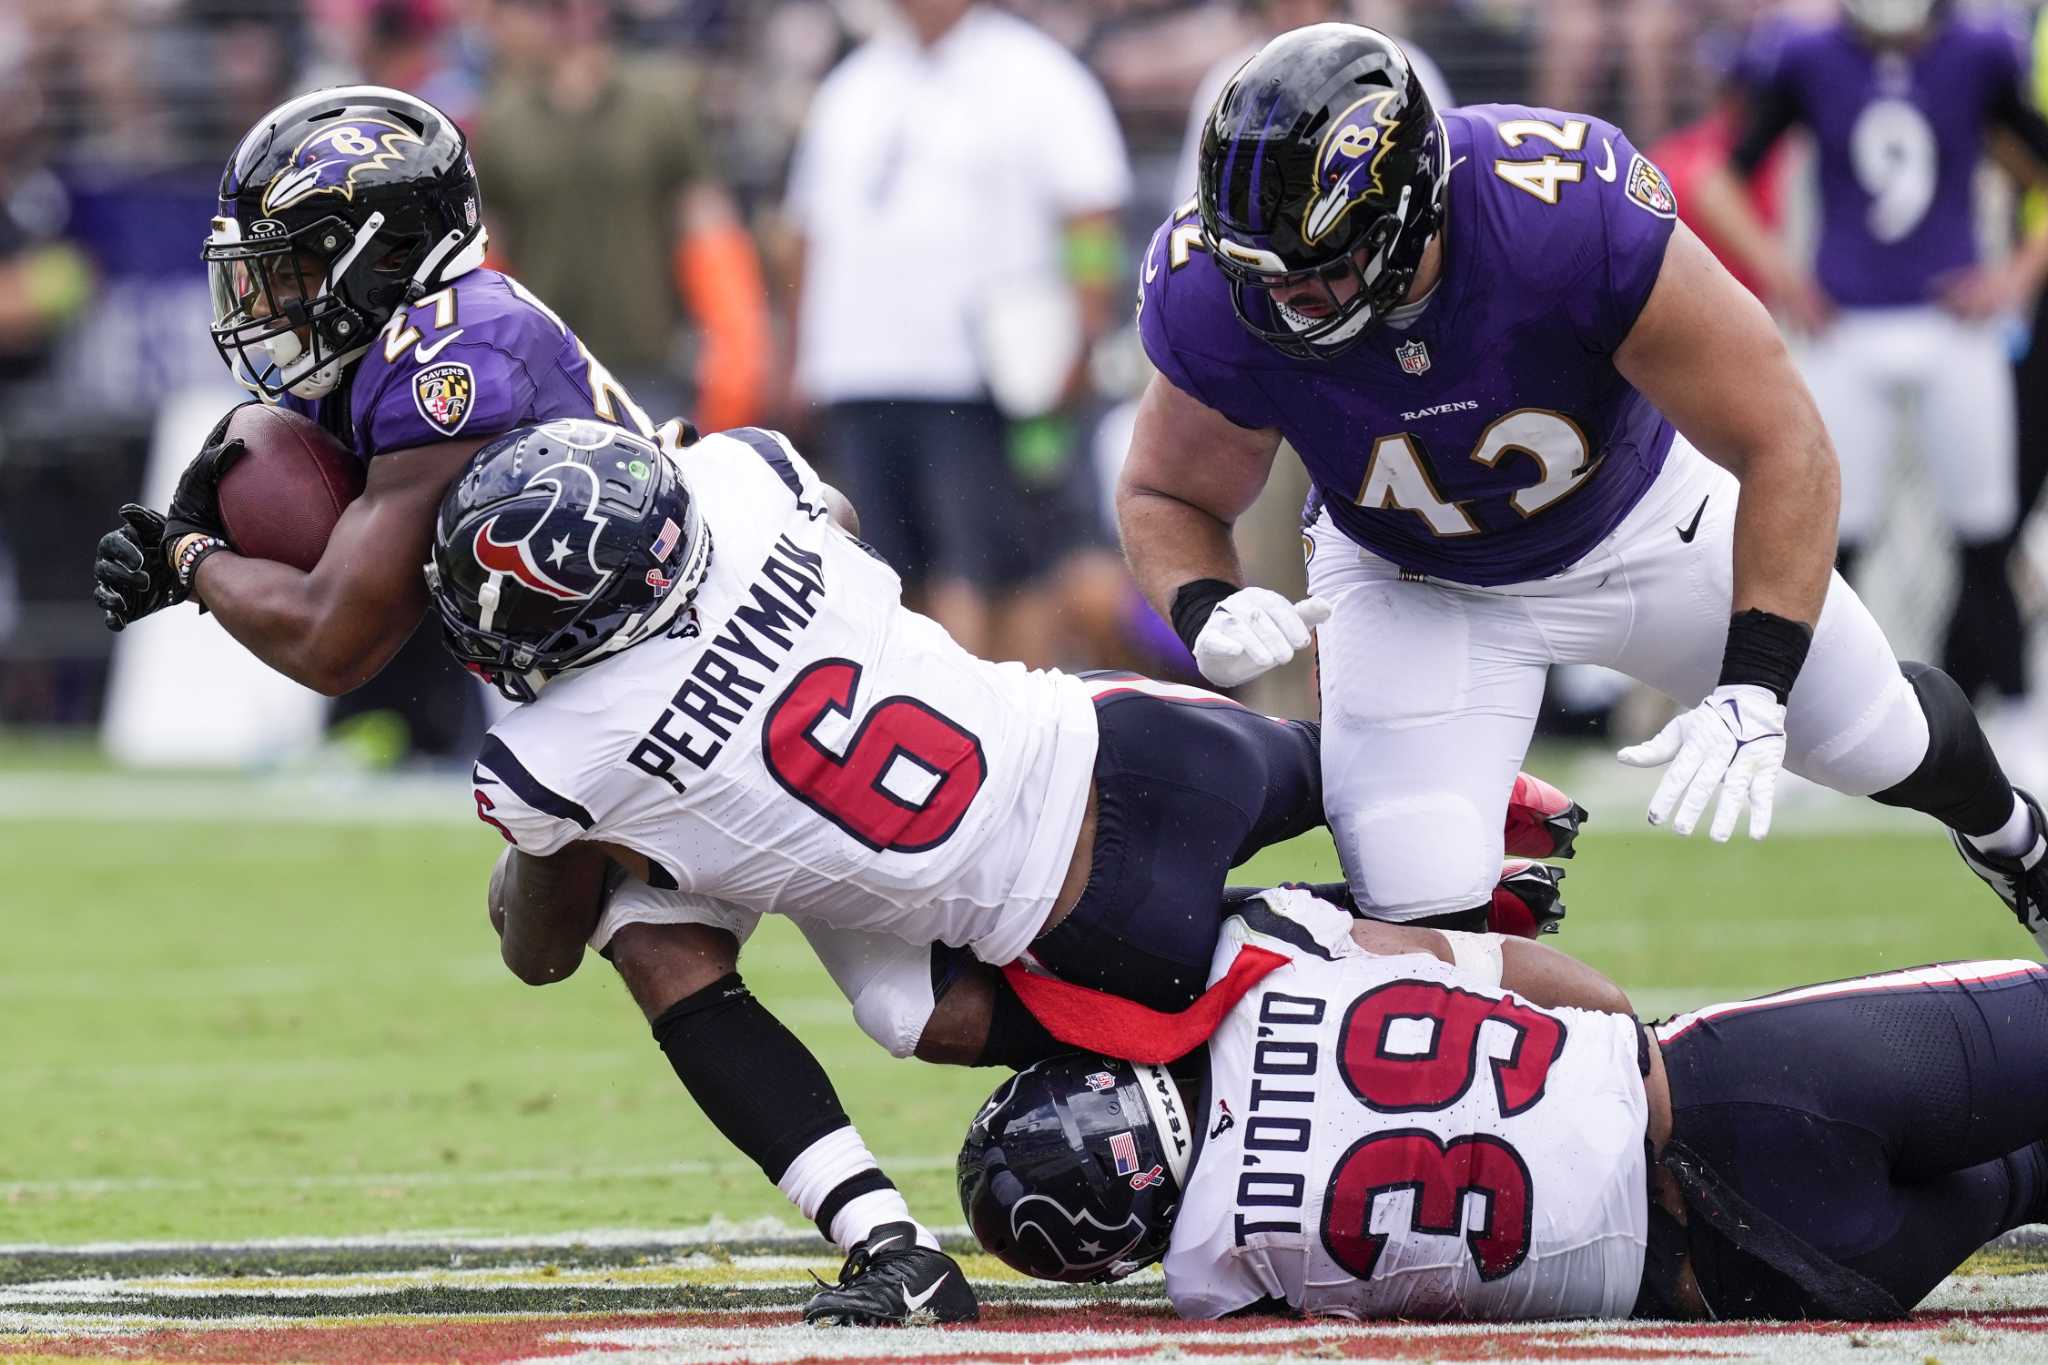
(1401, 1123)
(723, 693)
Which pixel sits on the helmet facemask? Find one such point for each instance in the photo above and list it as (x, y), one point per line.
(1379, 269)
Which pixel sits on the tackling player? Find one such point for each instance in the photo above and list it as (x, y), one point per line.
(1400, 1123)
(347, 278)
(724, 695)
(1902, 97)
(1484, 332)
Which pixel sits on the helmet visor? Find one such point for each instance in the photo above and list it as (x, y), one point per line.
(267, 295)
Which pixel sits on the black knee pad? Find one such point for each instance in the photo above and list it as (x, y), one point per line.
(1959, 781)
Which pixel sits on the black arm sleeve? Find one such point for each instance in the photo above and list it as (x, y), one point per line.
(2011, 111)
(1769, 112)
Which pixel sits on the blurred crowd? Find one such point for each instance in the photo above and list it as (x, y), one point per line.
(904, 230)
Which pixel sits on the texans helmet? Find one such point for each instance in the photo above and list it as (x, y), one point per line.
(336, 208)
(1073, 1169)
(1322, 163)
(561, 544)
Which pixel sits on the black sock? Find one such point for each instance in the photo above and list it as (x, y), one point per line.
(753, 1079)
(1959, 781)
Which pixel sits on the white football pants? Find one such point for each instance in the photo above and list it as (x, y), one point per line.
(1962, 423)
(1430, 689)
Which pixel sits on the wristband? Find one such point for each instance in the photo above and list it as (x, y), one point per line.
(1765, 651)
(192, 551)
(1194, 603)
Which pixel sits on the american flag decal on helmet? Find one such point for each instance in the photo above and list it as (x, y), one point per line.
(1124, 1148)
(665, 543)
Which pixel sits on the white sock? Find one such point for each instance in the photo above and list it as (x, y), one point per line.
(866, 1212)
(827, 1164)
(2013, 838)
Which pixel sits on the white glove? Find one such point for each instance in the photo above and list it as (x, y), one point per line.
(1252, 630)
(1734, 740)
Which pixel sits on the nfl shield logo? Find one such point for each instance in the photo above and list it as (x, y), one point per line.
(1413, 355)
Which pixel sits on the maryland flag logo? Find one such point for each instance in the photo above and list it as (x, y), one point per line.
(444, 394)
(1648, 187)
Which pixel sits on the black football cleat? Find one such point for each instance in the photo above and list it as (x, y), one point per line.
(891, 1281)
(2022, 882)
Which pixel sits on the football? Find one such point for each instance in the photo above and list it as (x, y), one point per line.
(281, 499)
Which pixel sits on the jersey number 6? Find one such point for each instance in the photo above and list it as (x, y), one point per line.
(900, 779)
(1414, 1047)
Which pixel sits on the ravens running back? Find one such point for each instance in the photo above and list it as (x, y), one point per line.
(347, 278)
(347, 283)
(1400, 1123)
(1544, 426)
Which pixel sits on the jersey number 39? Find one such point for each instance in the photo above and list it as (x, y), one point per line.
(1413, 1047)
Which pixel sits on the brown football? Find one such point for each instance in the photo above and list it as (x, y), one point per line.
(281, 499)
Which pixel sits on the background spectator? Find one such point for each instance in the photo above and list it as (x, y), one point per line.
(956, 195)
(601, 194)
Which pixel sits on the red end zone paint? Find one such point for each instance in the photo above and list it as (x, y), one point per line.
(1144, 1331)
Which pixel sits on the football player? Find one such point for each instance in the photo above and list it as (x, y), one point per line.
(1395, 1122)
(1902, 97)
(1484, 331)
(348, 286)
(724, 696)
(346, 269)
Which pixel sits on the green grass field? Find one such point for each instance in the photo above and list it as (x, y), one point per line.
(299, 1028)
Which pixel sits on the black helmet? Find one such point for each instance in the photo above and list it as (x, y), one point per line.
(336, 208)
(1322, 149)
(1072, 1170)
(561, 544)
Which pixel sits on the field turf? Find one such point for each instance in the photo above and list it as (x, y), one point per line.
(300, 1028)
(234, 1014)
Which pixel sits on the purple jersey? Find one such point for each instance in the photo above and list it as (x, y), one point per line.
(1492, 440)
(1899, 136)
(476, 358)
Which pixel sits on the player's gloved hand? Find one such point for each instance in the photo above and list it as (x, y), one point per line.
(1252, 630)
(1735, 741)
(131, 577)
(195, 506)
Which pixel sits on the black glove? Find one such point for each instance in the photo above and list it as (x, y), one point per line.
(195, 506)
(131, 577)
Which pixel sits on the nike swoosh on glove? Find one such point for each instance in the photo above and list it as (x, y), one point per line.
(1733, 741)
(1252, 630)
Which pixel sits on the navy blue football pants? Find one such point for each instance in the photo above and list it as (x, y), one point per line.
(1893, 1123)
(1188, 785)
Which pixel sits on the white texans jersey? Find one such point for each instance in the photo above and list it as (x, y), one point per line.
(1393, 1137)
(799, 743)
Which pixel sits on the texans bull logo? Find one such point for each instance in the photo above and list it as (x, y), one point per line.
(1348, 163)
(1068, 1235)
(329, 160)
(569, 534)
